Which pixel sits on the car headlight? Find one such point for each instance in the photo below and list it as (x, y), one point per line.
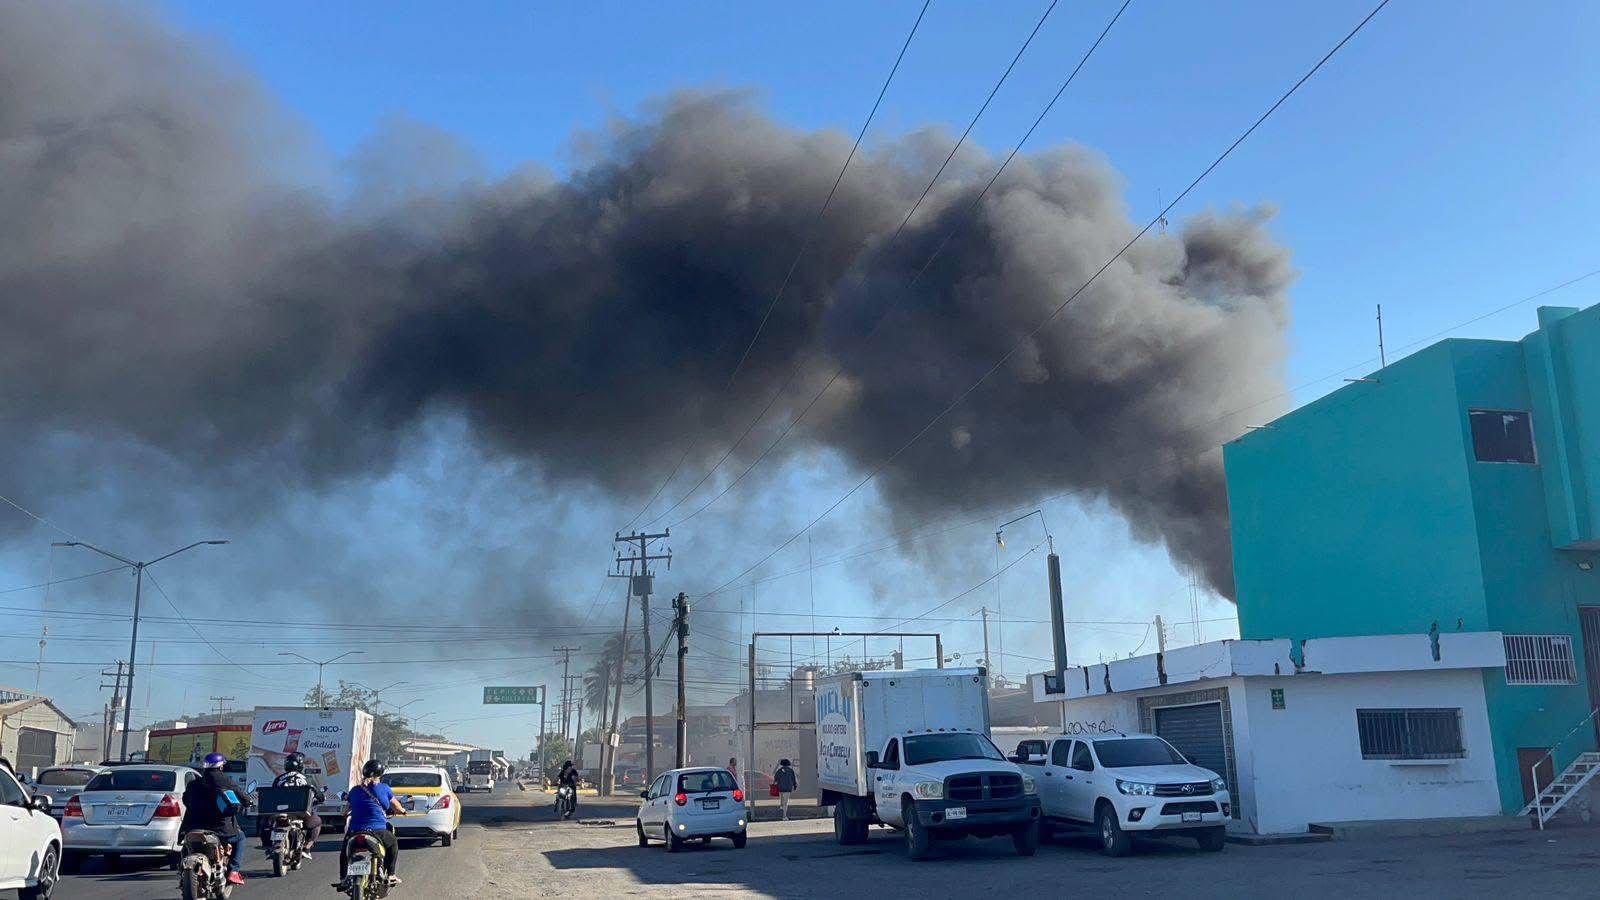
(1136, 788)
(1029, 786)
(929, 790)
(1218, 785)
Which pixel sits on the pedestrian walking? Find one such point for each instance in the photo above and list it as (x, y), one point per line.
(785, 779)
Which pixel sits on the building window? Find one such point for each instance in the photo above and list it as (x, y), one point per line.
(1501, 435)
(1540, 659)
(1410, 733)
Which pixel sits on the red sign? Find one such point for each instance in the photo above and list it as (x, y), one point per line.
(274, 725)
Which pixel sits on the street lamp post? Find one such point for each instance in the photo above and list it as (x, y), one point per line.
(138, 589)
(322, 698)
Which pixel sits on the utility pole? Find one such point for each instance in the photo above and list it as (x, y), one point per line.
(680, 605)
(988, 677)
(544, 703)
(222, 707)
(1161, 635)
(613, 739)
(113, 708)
(641, 585)
(566, 686)
(577, 751)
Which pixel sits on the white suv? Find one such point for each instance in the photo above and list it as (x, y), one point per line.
(1124, 783)
(30, 841)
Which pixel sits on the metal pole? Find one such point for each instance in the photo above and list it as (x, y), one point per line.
(682, 604)
(544, 703)
(613, 741)
(938, 651)
(750, 761)
(988, 664)
(577, 752)
(133, 650)
(649, 700)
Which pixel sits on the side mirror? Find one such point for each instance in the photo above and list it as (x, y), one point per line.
(645, 794)
(872, 759)
(39, 802)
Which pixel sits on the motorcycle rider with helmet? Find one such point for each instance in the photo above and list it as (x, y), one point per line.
(294, 775)
(206, 807)
(371, 804)
(569, 778)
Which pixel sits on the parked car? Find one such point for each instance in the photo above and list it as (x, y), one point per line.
(59, 783)
(691, 804)
(30, 841)
(1126, 784)
(432, 808)
(127, 811)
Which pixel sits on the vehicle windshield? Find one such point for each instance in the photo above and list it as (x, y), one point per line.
(1127, 752)
(705, 782)
(412, 779)
(64, 777)
(927, 748)
(480, 768)
(133, 780)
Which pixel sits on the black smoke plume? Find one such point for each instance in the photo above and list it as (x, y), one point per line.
(177, 275)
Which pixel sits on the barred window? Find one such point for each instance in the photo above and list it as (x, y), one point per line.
(1540, 659)
(1410, 733)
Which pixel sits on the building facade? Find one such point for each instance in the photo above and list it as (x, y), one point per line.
(1453, 491)
(1328, 730)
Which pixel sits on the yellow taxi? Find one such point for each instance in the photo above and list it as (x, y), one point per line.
(432, 808)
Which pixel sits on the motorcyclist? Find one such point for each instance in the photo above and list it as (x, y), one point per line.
(371, 804)
(569, 778)
(294, 775)
(208, 807)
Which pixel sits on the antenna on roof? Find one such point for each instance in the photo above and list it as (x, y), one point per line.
(1383, 361)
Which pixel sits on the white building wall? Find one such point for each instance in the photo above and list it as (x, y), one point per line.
(1305, 765)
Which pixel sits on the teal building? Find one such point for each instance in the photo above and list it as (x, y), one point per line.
(1457, 489)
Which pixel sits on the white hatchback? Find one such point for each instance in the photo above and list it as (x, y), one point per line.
(692, 804)
(30, 841)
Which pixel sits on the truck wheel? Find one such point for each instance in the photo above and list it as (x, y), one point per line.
(1113, 840)
(919, 843)
(1212, 840)
(1026, 839)
(846, 829)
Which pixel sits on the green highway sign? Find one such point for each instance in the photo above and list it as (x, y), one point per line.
(521, 695)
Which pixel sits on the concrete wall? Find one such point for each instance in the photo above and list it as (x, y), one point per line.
(1305, 760)
(41, 717)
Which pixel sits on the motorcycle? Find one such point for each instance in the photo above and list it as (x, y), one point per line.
(203, 872)
(285, 844)
(366, 874)
(566, 801)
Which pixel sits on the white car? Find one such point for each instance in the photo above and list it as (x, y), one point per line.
(1130, 783)
(692, 804)
(127, 811)
(432, 808)
(30, 841)
(59, 783)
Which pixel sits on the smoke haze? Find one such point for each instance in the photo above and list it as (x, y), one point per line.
(178, 278)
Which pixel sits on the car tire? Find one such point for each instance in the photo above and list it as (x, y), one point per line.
(639, 827)
(277, 866)
(1026, 839)
(71, 861)
(739, 840)
(447, 839)
(1212, 840)
(674, 843)
(49, 875)
(919, 842)
(174, 860)
(1113, 840)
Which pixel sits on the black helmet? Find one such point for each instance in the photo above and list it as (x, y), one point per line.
(294, 762)
(566, 764)
(372, 769)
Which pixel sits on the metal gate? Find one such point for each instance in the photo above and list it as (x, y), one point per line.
(1589, 619)
(1197, 733)
(35, 749)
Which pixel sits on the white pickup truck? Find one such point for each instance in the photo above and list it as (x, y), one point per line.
(1124, 784)
(911, 750)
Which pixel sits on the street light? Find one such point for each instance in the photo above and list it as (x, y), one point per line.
(320, 696)
(999, 539)
(138, 586)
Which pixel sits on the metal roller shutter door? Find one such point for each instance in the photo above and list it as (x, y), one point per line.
(35, 749)
(1197, 733)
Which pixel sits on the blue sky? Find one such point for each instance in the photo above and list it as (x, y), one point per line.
(1442, 165)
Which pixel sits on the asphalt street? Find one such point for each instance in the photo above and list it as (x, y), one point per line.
(512, 845)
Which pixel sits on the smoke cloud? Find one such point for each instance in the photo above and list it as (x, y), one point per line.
(177, 274)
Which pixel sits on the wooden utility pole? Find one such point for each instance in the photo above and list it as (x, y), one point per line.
(640, 585)
(566, 687)
(112, 709)
(988, 666)
(680, 605)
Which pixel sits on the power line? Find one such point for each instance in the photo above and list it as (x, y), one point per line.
(1023, 340)
(783, 286)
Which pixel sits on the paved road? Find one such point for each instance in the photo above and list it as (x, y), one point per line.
(511, 845)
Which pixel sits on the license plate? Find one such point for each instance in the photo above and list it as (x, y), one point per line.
(1191, 817)
(359, 867)
(711, 804)
(279, 837)
(956, 812)
(119, 812)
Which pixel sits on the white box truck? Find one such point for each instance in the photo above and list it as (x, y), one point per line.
(336, 744)
(480, 771)
(911, 750)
